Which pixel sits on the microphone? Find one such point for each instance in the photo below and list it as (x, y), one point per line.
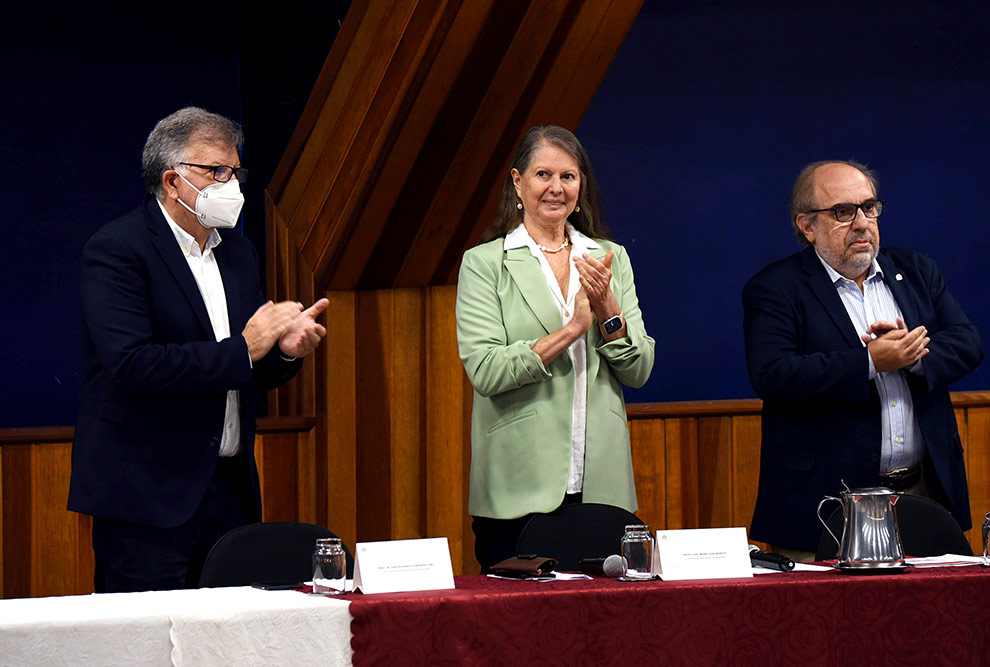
(613, 566)
(769, 560)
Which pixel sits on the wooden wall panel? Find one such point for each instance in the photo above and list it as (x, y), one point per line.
(681, 438)
(448, 401)
(974, 425)
(281, 285)
(337, 423)
(715, 466)
(649, 452)
(40, 555)
(16, 519)
(278, 462)
(405, 407)
(745, 468)
(85, 559)
(373, 353)
(53, 528)
(306, 476)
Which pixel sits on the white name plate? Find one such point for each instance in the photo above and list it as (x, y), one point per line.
(703, 553)
(403, 565)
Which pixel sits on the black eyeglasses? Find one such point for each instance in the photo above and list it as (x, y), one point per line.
(222, 172)
(872, 208)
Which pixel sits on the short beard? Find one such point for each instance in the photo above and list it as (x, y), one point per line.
(855, 266)
(859, 265)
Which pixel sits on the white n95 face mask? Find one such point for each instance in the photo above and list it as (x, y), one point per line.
(218, 205)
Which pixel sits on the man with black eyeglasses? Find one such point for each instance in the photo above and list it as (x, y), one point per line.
(179, 346)
(852, 349)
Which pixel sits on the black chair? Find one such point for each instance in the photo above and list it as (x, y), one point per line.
(927, 529)
(576, 531)
(278, 551)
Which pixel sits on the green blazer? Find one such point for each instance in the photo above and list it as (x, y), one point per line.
(521, 420)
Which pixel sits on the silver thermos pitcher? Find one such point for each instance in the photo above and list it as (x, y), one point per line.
(871, 538)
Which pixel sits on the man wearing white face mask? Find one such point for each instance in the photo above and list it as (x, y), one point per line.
(179, 346)
(217, 205)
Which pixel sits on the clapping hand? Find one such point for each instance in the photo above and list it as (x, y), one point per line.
(304, 333)
(895, 347)
(595, 277)
(267, 324)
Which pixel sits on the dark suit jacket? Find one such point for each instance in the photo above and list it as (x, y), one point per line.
(821, 413)
(155, 379)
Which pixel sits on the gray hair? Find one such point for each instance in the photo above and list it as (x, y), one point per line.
(803, 193)
(166, 145)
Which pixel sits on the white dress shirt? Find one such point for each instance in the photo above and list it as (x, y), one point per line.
(207, 274)
(902, 445)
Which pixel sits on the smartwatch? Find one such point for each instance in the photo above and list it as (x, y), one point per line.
(612, 324)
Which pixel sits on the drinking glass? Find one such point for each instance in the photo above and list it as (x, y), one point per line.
(329, 567)
(637, 549)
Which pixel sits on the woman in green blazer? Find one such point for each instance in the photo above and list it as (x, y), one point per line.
(548, 329)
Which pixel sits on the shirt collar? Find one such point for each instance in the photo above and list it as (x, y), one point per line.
(873, 272)
(187, 242)
(520, 238)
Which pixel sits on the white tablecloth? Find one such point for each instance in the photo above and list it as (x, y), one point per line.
(209, 626)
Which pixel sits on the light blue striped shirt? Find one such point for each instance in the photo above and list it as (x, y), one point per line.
(902, 444)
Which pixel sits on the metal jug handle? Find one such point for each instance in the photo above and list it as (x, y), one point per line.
(819, 512)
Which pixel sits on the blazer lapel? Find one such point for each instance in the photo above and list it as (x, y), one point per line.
(528, 276)
(893, 278)
(164, 241)
(819, 284)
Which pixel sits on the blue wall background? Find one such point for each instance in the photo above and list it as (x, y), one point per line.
(706, 116)
(711, 109)
(82, 87)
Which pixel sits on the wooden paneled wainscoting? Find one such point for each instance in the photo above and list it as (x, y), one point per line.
(45, 549)
(696, 466)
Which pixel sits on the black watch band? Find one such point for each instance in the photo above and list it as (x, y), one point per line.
(612, 324)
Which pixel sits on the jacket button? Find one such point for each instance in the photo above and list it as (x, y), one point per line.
(214, 441)
(875, 458)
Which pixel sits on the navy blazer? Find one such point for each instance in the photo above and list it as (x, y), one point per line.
(155, 378)
(821, 414)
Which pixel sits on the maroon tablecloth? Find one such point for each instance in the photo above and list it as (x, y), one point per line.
(921, 617)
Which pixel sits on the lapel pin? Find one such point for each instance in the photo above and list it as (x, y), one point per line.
(898, 277)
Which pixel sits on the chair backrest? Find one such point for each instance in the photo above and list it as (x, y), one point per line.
(576, 531)
(265, 552)
(927, 529)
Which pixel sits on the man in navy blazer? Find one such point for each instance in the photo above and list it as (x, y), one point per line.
(852, 349)
(179, 346)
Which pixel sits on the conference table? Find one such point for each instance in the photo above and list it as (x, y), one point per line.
(921, 616)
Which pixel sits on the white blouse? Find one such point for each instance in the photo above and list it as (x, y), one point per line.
(578, 350)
